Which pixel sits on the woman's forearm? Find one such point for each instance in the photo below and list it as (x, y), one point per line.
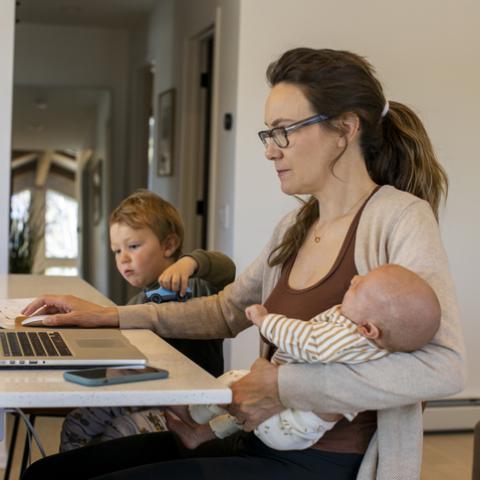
(396, 380)
(216, 316)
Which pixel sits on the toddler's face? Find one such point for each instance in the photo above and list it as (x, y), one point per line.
(139, 256)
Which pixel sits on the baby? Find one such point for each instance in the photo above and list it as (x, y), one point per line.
(391, 309)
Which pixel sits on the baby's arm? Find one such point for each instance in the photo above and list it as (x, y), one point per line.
(315, 340)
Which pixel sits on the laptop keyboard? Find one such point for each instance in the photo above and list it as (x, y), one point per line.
(33, 344)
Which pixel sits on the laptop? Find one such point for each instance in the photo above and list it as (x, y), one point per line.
(66, 348)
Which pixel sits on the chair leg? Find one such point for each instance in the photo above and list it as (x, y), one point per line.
(11, 447)
(27, 446)
(476, 452)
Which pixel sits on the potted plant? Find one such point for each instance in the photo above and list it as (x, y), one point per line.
(21, 245)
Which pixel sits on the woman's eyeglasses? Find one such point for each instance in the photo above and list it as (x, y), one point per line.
(280, 134)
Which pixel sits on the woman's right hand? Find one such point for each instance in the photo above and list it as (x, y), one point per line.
(67, 310)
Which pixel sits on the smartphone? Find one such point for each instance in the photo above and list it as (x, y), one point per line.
(94, 377)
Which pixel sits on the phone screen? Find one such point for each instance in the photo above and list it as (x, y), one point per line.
(114, 372)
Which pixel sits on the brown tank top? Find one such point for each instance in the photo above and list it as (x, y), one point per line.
(345, 436)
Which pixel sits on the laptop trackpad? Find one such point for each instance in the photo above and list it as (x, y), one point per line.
(99, 343)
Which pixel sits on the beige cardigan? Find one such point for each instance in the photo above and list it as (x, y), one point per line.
(395, 227)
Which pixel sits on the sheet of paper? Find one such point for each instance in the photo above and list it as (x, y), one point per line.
(10, 309)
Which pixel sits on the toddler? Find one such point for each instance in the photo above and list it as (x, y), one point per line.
(146, 236)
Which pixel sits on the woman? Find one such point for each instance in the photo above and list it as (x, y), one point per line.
(334, 137)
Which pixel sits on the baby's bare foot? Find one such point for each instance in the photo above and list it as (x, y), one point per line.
(191, 435)
(181, 411)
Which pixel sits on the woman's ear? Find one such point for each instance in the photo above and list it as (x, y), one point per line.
(369, 330)
(349, 124)
(170, 245)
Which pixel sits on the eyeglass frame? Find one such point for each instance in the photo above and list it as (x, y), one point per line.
(265, 134)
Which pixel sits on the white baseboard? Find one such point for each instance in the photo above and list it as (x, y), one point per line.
(451, 416)
(3, 441)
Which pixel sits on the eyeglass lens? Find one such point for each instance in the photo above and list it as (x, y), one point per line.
(278, 135)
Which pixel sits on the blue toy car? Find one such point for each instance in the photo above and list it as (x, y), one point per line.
(160, 295)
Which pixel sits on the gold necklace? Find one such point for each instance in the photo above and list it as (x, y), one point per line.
(317, 237)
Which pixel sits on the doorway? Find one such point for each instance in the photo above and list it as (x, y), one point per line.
(206, 81)
(196, 177)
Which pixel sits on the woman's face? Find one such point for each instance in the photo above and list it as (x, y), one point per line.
(303, 166)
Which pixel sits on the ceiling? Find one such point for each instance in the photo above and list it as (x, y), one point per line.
(95, 13)
(55, 117)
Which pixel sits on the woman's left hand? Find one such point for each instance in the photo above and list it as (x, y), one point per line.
(255, 397)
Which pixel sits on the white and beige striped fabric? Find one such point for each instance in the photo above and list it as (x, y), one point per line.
(328, 337)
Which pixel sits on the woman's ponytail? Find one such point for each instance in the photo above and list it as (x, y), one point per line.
(405, 157)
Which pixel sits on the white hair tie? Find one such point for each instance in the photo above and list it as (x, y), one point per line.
(385, 109)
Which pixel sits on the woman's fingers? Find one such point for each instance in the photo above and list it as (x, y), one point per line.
(33, 306)
(58, 304)
(67, 310)
(47, 304)
(255, 397)
(46, 310)
(101, 317)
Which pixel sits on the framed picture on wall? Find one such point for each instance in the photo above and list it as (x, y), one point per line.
(165, 132)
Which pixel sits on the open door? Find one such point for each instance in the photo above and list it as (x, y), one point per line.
(196, 185)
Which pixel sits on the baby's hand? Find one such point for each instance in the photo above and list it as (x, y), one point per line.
(176, 276)
(256, 314)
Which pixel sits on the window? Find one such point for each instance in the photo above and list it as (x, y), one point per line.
(61, 241)
(21, 241)
(20, 204)
(61, 220)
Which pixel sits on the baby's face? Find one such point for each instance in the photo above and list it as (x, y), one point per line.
(357, 301)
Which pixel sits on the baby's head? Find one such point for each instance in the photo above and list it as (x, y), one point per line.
(393, 307)
(146, 236)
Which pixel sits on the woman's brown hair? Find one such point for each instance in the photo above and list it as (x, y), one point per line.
(394, 142)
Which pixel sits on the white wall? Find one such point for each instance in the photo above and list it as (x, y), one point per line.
(66, 121)
(172, 25)
(161, 53)
(427, 55)
(99, 255)
(7, 25)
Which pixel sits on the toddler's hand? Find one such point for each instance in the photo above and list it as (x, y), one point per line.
(256, 314)
(176, 276)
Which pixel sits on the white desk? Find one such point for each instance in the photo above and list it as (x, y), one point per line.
(22, 388)
(187, 383)
(27, 286)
